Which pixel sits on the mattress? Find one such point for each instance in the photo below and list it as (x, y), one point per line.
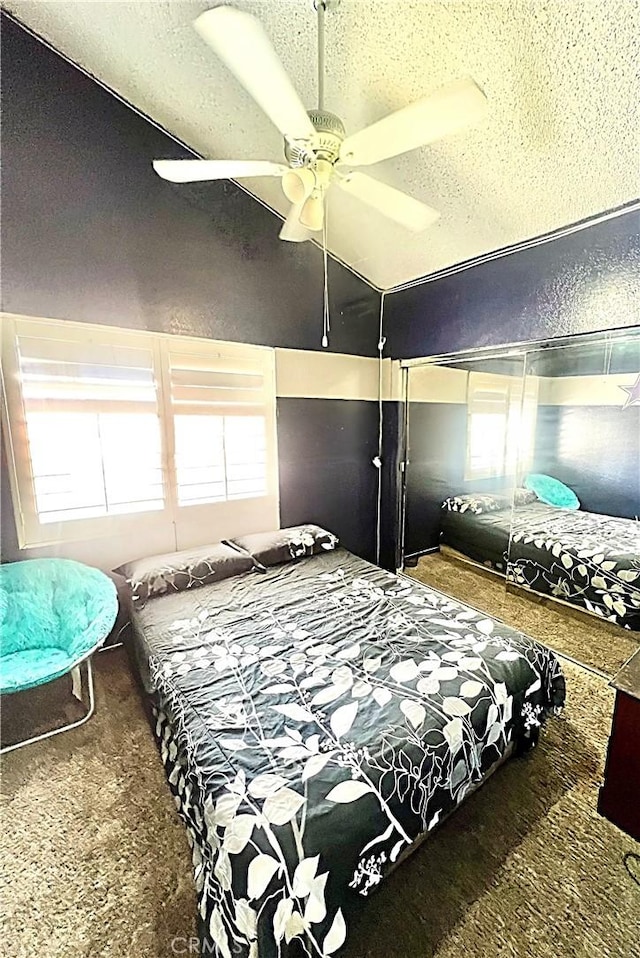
(315, 722)
(483, 538)
(588, 560)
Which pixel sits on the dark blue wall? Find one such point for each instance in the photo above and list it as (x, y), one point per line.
(584, 282)
(391, 512)
(593, 449)
(325, 451)
(90, 233)
(596, 451)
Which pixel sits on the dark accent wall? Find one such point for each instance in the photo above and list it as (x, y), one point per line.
(326, 448)
(90, 233)
(581, 283)
(437, 452)
(391, 512)
(596, 451)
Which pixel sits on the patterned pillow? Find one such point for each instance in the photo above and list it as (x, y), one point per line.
(285, 545)
(476, 503)
(523, 497)
(177, 571)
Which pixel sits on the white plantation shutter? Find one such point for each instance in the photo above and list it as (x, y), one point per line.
(220, 457)
(222, 402)
(493, 425)
(109, 426)
(83, 420)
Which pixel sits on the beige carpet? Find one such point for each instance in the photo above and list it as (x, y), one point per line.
(598, 644)
(95, 863)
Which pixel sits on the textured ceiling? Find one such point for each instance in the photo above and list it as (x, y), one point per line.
(560, 142)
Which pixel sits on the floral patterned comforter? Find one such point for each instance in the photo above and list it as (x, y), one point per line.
(314, 722)
(589, 560)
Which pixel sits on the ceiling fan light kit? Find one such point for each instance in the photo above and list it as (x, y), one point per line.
(297, 185)
(312, 212)
(292, 229)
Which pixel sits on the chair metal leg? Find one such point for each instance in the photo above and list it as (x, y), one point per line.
(76, 682)
(118, 643)
(76, 679)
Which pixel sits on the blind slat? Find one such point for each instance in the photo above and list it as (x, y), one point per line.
(204, 395)
(82, 406)
(216, 378)
(64, 350)
(80, 390)
(205, 361)
(218, 409)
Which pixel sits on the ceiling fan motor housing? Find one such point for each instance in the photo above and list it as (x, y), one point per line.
(326, 144)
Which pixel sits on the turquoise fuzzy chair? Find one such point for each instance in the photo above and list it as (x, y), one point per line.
(54, 614)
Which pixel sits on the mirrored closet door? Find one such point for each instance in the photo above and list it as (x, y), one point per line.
(575, 534)
(522, 489)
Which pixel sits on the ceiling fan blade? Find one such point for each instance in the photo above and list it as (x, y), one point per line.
(245, 49)
(292, 230)
(192, 171)
(450, 109)
(392, 203)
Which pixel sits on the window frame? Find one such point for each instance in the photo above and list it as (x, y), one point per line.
(511, 389)
(184, 525)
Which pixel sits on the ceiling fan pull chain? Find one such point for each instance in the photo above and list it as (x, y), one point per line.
(326, 321)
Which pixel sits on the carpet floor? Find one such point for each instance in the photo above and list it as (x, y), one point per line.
(95, 863)
(599, 644)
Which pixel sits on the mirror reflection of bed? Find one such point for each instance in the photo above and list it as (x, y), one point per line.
(522, 489)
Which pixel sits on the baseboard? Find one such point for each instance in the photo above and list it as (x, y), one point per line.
(412, 557)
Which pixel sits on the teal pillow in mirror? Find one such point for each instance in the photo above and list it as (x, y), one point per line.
(552, 491)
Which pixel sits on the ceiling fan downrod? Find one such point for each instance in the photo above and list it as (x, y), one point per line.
(321, 7)
(330, 131)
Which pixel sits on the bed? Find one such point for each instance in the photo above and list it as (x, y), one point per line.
(317, 719)
(588, 560)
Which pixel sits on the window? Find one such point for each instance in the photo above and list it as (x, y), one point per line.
(219, 426)
(500, 425)
(110, 430)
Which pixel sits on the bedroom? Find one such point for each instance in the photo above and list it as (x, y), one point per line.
(99, 251)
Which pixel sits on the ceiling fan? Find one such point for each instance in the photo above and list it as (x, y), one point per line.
(316, 147)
